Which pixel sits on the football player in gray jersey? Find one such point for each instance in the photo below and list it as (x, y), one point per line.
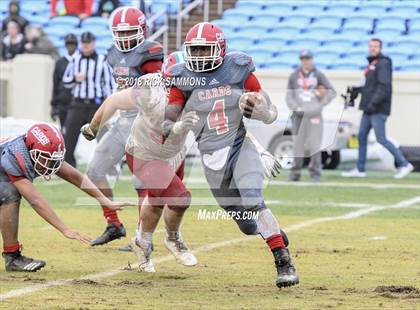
(130, 57)
(220, 89)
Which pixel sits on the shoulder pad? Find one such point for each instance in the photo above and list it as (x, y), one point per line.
(177, 69)
(241, 59)
(150, 47)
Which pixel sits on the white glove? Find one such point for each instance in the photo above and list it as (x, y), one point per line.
(271, 165)
(88, 132)
(254, 105)
(187, 121)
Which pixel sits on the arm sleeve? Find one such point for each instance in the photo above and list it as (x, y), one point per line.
(68, 77)
(384, 76)
(252, 83)
(331, 93)
(176, 97)
(291, 95)
(151, 66)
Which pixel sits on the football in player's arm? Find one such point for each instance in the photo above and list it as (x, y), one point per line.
(40, 152)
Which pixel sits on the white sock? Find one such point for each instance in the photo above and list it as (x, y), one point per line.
(267, 224)
(144, 237)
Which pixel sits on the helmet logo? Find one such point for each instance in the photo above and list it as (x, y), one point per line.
(42, 138)
(220, 36)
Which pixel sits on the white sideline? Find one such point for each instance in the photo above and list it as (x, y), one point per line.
(208, 247)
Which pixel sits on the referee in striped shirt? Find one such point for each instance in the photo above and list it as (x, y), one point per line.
(92, 82)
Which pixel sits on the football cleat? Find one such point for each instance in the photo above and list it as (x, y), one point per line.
(181, 252)
(286, 272)
(143, 252)
(111, 232)
(17, 262)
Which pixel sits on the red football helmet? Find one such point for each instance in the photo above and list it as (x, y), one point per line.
(172, 59)
(128, 28)
(211, 40)
(46, 147)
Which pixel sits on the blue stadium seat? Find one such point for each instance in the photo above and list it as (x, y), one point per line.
(386, 23)
(39, 20)
(365, 23)
(34, 6)
(225, 25)
(398, 59)
(347, 66)
(280, 65)
(265, 20)
(414, 24)
(336, 45)
(251, 4)
(289, 57)
(332, 22)
(351, 34)
(285, 33)
(297, 21)
(95, 22)
(371, 10)
(299, 45)
(360, 49)
(279, 6)
(409, 48)
(387, 35)
(413, 35)
(326, 57)
(340, 10)
(233, 16)
(403, 12)
(272, 45)
(65, 21)
(320, 33)
(415, 5)
(240, 44)
(54, 30)
(411, 65)
(310, 10)
(252, 31)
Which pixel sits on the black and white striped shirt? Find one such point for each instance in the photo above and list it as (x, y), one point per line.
(98, 83)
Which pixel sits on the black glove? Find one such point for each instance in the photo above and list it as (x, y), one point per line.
(54, 113)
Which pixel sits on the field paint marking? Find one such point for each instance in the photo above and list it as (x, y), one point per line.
(209, 247)
(194, 180)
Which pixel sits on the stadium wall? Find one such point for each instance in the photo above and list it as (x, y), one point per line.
(28, 88)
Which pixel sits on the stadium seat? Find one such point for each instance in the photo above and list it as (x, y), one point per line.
(387, 35)
(265, 20)
(38, 20)
(289, 57)
(272, 45)
(225, 25)
(234, 17)
(320, 33)
(309, 10)
(278, 64)
(351, 35)
(409, 48)
(326, 57)
(252, 31)
(356, 59)
(297, 21)
(398, 59)
(414, 5)
(346, 66)
(95, 22)
(65, 21)
(365, 23)
(331, 22)
(374, 9)
(299, 45)
(285, 33)
(253, 5)
(240, 44)
(280, 6)
(340, 10)
(386, 23)
(338, 46)
(414, 24)
(403, 12)
(260, 57)
(34, 6)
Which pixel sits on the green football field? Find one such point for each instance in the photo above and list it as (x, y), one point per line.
(355, 243)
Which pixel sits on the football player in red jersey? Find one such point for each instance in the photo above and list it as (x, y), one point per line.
(130, 57)
(229, 92)
(39, 152)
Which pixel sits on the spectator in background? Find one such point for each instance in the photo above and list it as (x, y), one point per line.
(61, 96)
(308, 92)
(106, 7)
(90, 88)
(376, 106)
(80, 8)
(13, 43)
(38, 42)
(14, 15)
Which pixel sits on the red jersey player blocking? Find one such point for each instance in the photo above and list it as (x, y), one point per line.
(130, 57)
(39, 152)
(227, 92)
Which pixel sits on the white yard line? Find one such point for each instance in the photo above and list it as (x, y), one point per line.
(192, 181)
(208, 247)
